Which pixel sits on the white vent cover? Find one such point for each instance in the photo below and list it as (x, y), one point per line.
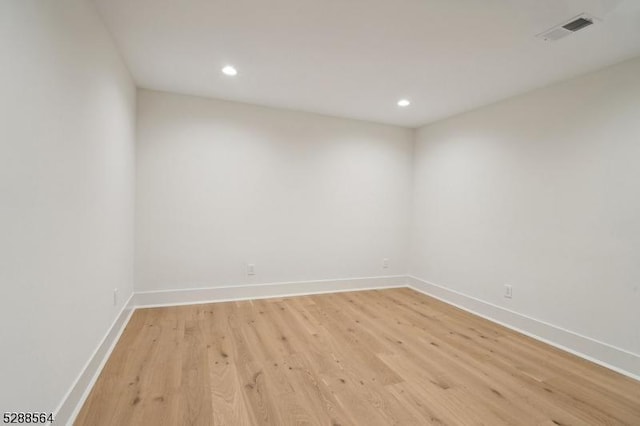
(569, 27)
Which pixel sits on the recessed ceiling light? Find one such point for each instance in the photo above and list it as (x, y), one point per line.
(404, 103)
(229, 70)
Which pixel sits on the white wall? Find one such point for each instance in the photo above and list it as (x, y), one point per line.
(541, 192)
(301, 196)
(67, 115)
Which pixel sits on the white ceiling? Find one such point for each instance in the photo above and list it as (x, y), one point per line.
(356, 58)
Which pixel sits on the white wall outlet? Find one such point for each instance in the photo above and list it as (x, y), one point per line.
(115, 297)
(508, 291)
(385, 263)
(251, 269)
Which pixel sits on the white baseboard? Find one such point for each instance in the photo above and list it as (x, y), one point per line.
(149, 299)
(601, 353)
(75, 397)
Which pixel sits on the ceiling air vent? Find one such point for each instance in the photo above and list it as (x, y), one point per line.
(577, 24)
(567, 28)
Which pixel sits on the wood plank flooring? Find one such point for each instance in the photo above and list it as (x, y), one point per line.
(367, 358)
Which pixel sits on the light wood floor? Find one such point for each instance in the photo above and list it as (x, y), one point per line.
(360, 358)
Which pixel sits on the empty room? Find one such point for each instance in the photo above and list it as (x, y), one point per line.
(320, 212)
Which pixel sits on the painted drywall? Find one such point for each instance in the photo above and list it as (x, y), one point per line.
(67, 114)
(541, 192)
(221, 185)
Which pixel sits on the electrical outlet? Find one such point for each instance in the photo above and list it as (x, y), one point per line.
(251, 269)
(508, 291)
(115, 297)
(385, 263)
